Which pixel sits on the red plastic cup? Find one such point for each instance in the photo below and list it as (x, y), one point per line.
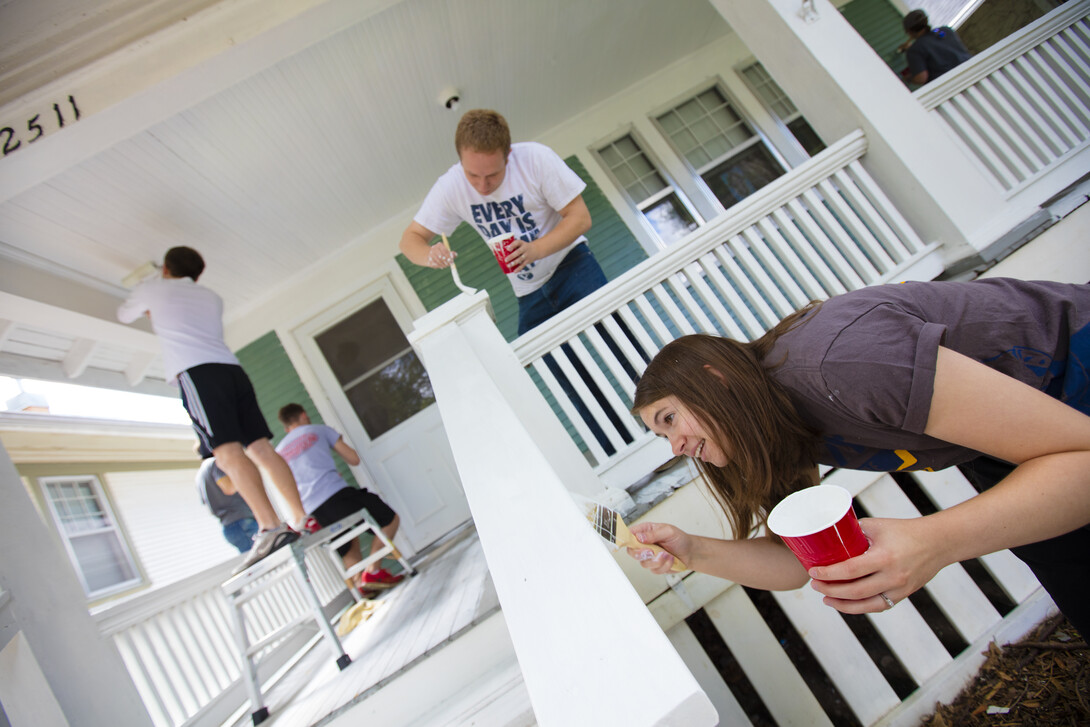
(501, 248)
(818, 524)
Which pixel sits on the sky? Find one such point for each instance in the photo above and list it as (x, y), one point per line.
(85, 401)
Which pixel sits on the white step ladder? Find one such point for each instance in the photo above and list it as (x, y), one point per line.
(290, 562)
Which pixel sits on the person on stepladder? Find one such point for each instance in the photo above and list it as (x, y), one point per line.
(308, 449)
(216, 392)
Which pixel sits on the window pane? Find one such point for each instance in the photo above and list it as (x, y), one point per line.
(670, 219)
(627, 147)
(391, 395)
(769, 91)
(102, 560)
(742, 175)
(809, 139)
(689, 111)
(625, 176)
(610, 156)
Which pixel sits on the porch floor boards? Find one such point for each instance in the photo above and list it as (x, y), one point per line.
(451, 592)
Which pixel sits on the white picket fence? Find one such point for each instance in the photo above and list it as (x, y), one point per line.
(1023, 105)
(178, 645)
(821, 230)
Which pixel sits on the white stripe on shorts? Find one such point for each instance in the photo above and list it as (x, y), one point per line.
(193, 404)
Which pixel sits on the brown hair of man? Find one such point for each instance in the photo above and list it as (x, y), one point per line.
(726, 385)
(183, 262)
(915, 23)
(482, 130)
(290, 413)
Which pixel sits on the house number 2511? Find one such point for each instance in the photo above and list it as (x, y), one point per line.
(38, 125)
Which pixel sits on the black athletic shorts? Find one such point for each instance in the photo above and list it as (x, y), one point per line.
(222, 405)
(348, 500)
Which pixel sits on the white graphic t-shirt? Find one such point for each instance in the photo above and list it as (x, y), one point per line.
(536, 184)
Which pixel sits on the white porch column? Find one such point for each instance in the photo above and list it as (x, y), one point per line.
(840, 84)
(588, 648)
(47, 607)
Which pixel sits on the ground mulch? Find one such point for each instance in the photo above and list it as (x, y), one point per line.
(1041, 681)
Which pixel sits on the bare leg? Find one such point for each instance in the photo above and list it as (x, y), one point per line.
(262, 452)
(376, 543)
(232, 459)
(351, 558)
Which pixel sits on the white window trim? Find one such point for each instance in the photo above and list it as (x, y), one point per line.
(638, 206)
(107, 507)
(759, 134)
(792, 149)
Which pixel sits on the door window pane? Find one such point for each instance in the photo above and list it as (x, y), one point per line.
(376, 367)
(391, 395)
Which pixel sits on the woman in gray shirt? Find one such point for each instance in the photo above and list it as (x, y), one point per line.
(989, 375)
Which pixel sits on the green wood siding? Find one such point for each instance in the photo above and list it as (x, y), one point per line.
(277, 383)
(880, 25)
(609, 238)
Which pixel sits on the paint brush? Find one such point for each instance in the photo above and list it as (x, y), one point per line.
(609, 524)
(454, 270)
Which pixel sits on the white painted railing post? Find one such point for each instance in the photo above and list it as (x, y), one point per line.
(589, 650)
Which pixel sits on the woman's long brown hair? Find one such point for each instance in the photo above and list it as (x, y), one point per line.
(773, 451)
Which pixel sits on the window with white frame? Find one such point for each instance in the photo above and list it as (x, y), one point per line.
(648, 189)
(777, 102)
(720, 145)
(90, 533)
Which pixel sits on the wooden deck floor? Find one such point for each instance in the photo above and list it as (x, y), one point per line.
(451, 592)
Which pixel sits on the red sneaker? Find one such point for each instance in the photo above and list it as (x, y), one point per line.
(310, 525)
(381, 578)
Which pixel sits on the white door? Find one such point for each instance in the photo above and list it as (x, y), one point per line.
(383, 399)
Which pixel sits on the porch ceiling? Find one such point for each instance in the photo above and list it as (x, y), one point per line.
(275, 142)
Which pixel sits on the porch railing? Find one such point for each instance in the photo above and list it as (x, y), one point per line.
(1022, 106)
(820, 230)
(178, 646)
(887, 669)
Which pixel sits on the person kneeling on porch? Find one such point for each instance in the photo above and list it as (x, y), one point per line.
(308, 449)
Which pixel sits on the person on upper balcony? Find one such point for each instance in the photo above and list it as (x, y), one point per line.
(931, 52)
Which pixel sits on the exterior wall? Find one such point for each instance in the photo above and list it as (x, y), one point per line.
(277, 383)
(172, 534)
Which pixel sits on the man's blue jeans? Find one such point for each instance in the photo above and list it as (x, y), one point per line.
(578, 275)
(241, 533)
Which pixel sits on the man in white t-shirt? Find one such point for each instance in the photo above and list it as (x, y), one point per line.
(526, 188)
(308, 449)
(216, 392)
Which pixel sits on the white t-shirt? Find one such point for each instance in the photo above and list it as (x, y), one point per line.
(187, 318)
(537, 184)
(308, 450)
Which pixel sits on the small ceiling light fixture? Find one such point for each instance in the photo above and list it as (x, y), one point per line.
(450, 97)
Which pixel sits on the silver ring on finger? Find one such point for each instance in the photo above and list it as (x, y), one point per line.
(888, 600)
